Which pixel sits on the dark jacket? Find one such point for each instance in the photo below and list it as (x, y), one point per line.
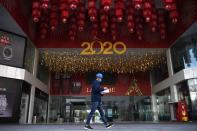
(96, 89)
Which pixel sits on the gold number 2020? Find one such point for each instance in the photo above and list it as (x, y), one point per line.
(106, 48)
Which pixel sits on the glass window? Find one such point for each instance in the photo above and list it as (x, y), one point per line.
(42, 73)
(29, 56)
(184, 53)
(192, 83)
(163, 107)
(159, 73)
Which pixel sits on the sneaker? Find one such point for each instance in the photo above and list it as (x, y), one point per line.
(109, 126)
(88, 127)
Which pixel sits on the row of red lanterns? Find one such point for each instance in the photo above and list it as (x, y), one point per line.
(74, 11)
(170, 5)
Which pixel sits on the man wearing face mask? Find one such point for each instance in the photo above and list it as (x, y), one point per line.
(96, 102)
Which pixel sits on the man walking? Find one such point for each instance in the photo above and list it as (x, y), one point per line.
(96, 102)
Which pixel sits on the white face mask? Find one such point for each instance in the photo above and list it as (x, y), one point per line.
(99, 80)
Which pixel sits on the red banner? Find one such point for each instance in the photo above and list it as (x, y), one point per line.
(121, 85)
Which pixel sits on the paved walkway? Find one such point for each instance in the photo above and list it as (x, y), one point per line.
(99, 127)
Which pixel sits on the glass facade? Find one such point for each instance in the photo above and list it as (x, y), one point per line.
(40, 107)
(159, 73)
(29, 56)
(42, 73)
(116, 108)
(184, 53)
(192, 83)
(163, 107)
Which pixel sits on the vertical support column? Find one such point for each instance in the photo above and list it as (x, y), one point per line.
(173, 88)
(169, 63)
(49, 100)
(154, 107)
(153, 100)
(31, 105)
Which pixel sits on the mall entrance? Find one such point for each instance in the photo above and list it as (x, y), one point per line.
(65, 109)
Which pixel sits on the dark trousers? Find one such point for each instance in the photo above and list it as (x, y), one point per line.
(95, 106)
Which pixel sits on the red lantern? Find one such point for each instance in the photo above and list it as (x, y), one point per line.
(139, 26)
(174, 16)
(119, 7)
(36, 12)
(161, 23)
(153, 22)
(64, 15)
(168, 4)
(104, 21)
(45, 4)
(73, 4)
(137, 4)
(43, 28)
(54, 17)
(64, 10)
(119, 14)
(147, 12)
(92, 12)
(72, 28)
(106, 4)
(130, 18)
(113, 27)
(94, 30)
(130, 26)
(147, 15)
(81, 17)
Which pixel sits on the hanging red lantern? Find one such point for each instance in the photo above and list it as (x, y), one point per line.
(94, 31)
(174, 16)
(119, 7)
(53, 16)
(119, 14)
(137, 4)
(153, 22)
(113, 27)
(130, 18)
(93, 14)
(45, 4)
(106, 4)
(64, 10)
(139, 25)
(168, 4)
(81, 17)
(73, 4)
(36, 12)
(72, 28)
(147, 11)
(104, 21)
(147, 15)
(161, 24)
(44, 25)
(92, 11)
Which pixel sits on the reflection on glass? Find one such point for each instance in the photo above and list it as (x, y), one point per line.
(29, 56)
(40, 111)
(184, 54)
(163, 107)
(192, 83)
(116, 108)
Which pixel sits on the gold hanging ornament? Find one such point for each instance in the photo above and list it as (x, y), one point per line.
(75, 63)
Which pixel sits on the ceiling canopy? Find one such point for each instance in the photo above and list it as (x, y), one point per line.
(138, 23)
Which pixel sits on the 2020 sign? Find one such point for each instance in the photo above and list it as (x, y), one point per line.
(106, 48)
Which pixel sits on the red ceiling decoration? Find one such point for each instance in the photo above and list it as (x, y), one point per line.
(51, 23)
(138, 14)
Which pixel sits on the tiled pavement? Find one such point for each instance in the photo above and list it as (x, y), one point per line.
(100, 127)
